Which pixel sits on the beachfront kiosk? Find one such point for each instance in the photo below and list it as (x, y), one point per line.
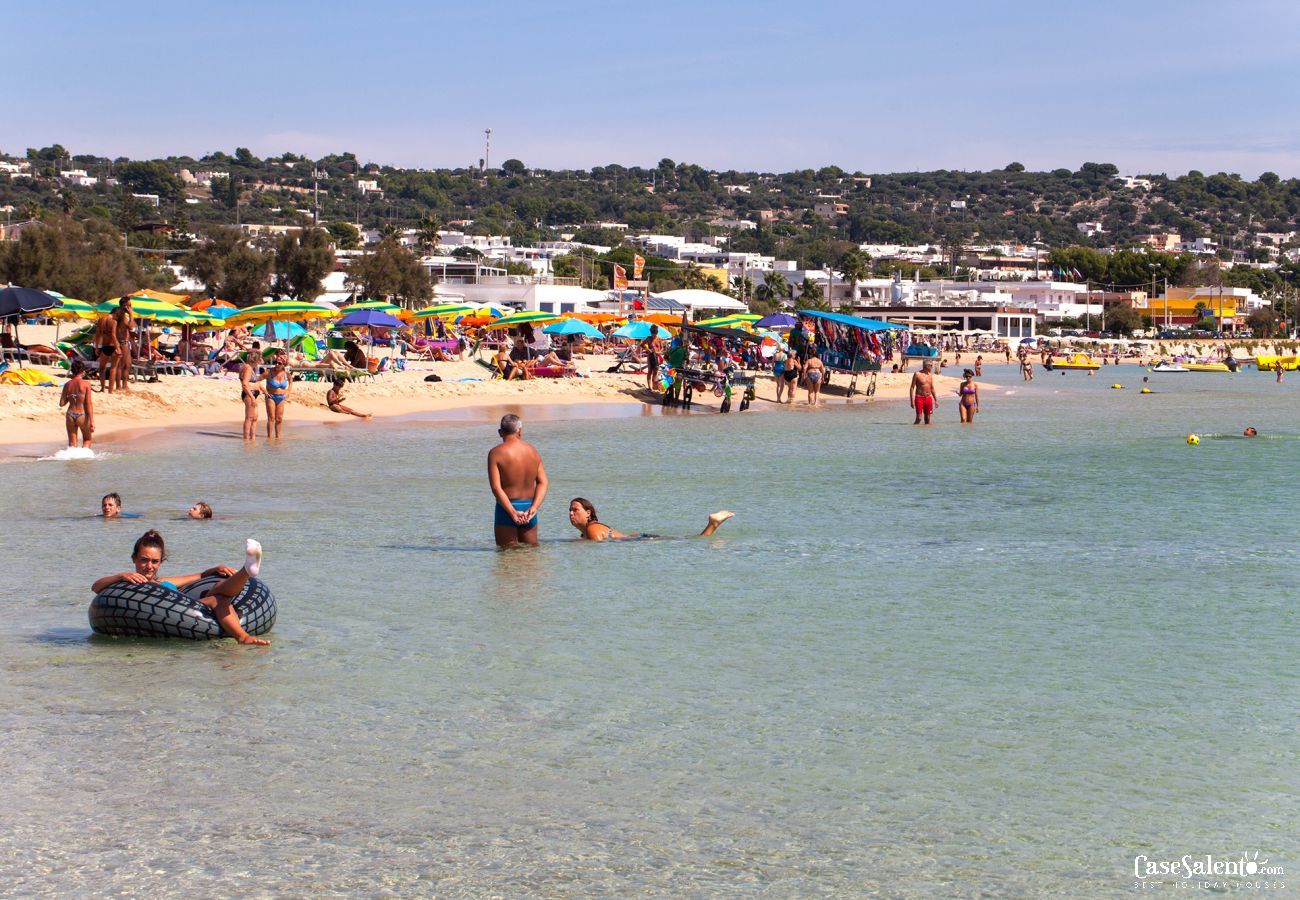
(843, 343)
(708, 362)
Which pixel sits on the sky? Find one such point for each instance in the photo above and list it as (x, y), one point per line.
(1150, 85)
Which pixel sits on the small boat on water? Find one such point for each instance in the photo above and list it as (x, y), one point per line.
(1078, 361)
(1168, 367)
(1267, 363)
(1209, 367)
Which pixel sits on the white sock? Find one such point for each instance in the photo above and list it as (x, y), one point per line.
(253, 557)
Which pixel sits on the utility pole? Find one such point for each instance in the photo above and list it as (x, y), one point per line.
(315, 178)
(487, 149)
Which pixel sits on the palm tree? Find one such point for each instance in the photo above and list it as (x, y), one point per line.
(774, 289)
(810, 296)
(854, 265)
(693, 277)
(426, 232)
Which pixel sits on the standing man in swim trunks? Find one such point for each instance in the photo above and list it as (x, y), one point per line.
(518, 482)
(920, 393)
(105, 342)
(76, 397)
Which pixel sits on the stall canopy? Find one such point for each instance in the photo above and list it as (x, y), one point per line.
(734, 334)
(851, 321)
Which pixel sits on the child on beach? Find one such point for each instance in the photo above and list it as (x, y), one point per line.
(80, 417)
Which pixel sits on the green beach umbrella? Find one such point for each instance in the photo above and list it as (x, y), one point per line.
(523, 318)
(280, 311)
(381, 305)
(449, 310)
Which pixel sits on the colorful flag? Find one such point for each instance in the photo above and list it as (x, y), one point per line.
(620, 278)
(638, 266)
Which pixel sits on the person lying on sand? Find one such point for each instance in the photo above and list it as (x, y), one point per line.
(148, 556)
(582, 515)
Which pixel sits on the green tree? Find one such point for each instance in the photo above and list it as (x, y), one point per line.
(513, 167)
(86, 260)
(229, 268)
(810, 296)
(774, 290)
(1122, 319)
(301, 263)
(1262, 322)
(151, 178)
(426, 233)
(391, 272)
(853, 266)
(345, 235)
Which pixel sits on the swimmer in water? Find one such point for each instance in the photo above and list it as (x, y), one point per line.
(582, 515)
(1250, 432)
(200, 510)
(110, 505)
(148, 556)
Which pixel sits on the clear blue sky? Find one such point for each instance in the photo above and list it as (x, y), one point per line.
(1149, 85)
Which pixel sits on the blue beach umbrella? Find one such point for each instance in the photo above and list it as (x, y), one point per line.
(279, 331)
(369, 318)
(777, 320)
(640, 330)
(222, 312)
(574, 326)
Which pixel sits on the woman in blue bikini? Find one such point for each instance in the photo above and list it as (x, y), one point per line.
(278, 382)
(148, 555)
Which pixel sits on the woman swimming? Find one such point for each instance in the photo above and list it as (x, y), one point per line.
(969, 392)
(148, 556)
(582, 515)
(278, 382)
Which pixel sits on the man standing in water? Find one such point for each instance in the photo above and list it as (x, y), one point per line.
(518, 482)
(920, 393)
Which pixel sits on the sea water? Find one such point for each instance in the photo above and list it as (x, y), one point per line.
(1003, 659)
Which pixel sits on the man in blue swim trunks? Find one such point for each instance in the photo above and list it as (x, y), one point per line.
(518, 482)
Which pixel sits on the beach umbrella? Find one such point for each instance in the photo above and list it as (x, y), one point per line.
(443, 310)
(210, 303)
(369, 318)
(19, 301)
(488, 309)
(148, 308)
(739, 320)
(777, 320)
(280, 311)
(279, 331)
(219, 313)
(69, 308)
(381, 305)
(574, 326)
(639, 331)
(523, 318)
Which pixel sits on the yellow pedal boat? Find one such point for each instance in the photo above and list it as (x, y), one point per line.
(1079, 361)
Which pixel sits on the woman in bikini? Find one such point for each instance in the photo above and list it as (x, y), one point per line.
(278, 382)
(969, 392)
(248, 395)
(582, 515)
(80, 417)
(148, 556)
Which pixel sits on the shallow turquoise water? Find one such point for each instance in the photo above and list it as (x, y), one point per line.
(1000, 660)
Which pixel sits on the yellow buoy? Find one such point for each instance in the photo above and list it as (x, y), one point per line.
(1193, 439)
(1145, 391)
(1117, 387)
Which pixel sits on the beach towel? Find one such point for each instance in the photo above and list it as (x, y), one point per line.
(25, 376)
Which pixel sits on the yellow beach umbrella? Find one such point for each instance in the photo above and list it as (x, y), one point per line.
(443, 310)
(280, 311)
(524, 318)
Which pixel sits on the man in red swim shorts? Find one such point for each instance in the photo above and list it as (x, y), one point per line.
(920, 394)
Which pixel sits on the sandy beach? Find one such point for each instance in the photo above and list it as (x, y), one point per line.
(30, 415)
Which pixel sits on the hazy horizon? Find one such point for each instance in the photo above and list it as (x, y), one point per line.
(1165, 88)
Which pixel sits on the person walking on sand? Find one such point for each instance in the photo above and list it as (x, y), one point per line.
(814, 371)
(920, 394)
(793, 370)
(969, 394)
(124, 322)
(105, 343)
(81, 414)
(249, 376)
(518, 481)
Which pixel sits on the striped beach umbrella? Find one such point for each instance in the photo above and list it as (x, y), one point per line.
(523, 318)
(280, 311)
(443, 311)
